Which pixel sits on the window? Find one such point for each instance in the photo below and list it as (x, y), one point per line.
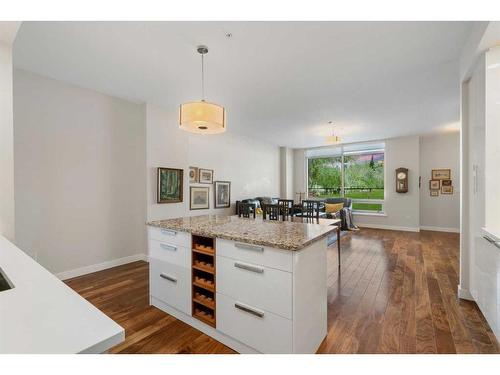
(325, 177)
(352, 171)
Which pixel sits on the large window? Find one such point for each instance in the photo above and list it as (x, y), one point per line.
(325, 177)
(356, 174)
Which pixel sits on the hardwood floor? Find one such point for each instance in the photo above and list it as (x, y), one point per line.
(395, 293)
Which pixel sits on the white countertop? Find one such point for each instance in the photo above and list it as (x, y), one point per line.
(491, 234)
(41, 314)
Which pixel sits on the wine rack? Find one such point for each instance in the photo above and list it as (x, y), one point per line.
(203, 279)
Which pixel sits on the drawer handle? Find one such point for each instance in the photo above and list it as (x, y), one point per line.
(490, 240)
(169, 232)
(168, 247)
(249, 247)
(169, 278)
(250, 310)
(249, 268)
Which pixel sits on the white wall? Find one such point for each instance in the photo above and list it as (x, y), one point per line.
(80, 168)
(7, 227)
(440, 213)
(299, 173)
(402, 210)
(286, 173)
(253, 167)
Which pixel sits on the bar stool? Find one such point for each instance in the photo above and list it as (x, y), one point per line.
(271, 212)
(246, 209)
(286, 208)
(310, 210)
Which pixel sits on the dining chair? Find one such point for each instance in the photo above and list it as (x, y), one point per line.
(246, 209)
(310, 210)
(271, 212)
(286, 208)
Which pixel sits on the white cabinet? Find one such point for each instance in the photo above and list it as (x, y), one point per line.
(481, 213)
(486, 281)
(170, 267)
(267, 300)
(492, 151)
(267, 288)
(171, 284)
(170, 236)
(257, 328)
(170, 253)
(270, 257)
(274, 301)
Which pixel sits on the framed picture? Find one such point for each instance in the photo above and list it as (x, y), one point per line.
(446, 189)
(206, 176)
(441, 174)
(198, 198)
(222, 193)
(434, 184)
(193, 175)
(170, 185)
(446, 183)
(434, 193)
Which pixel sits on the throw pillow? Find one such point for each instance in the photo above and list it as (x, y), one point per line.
(332, 208)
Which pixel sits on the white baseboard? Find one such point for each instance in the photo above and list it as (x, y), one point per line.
(464, 294)
(440, 229)
(388, 227)
(100, 266)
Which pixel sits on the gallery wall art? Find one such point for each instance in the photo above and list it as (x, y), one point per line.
(169, 185)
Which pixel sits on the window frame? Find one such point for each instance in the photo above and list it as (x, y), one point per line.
(342, 178)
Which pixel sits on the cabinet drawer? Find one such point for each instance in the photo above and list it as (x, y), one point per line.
(171, 284)
(266, 256)
(171, 253)
(170, 236)
(266, 288)
(257, 328)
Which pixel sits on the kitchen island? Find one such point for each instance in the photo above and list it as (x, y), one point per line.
(40, 314)
(257, 286)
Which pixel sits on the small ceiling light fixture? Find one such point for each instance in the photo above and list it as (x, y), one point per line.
(202, 117)
(333, 139)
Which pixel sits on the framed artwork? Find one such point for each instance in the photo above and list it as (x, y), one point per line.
(170, 185)
(446, 183)
(222, 193)
(434, 193)
(193, 175)
(441, 174)
(434, 184)
(198, 198)
(206, 176)
(446, 189)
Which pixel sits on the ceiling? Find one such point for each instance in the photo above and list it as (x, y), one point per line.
(281, 82)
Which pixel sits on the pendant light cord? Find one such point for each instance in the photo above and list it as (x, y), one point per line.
(202, 80)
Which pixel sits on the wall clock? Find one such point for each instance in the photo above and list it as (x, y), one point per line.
(402, 180)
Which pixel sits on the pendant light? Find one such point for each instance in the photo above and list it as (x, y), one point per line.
(202, 117)
(333, 139)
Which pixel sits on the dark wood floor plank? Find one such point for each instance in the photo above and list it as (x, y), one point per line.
(408, 340)
(395, 293)
(425, 341)
(390, 338)
(442, 333)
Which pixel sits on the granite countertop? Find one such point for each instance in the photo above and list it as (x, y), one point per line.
(279, 234)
